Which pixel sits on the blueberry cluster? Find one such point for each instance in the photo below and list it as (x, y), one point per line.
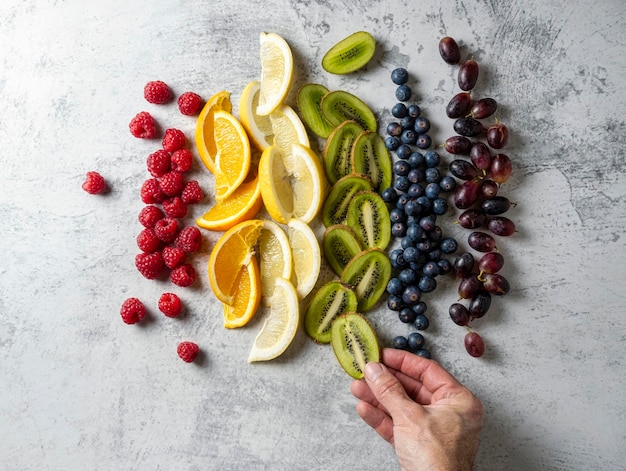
(415, 200)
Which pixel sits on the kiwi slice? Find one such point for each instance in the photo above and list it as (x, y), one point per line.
(368, 217)
(340, 245)
(368, 274)
(338, 150)
(335, 207)
(371, 157)
(340, 106)
(354, 342)
(309, 99)
(331, 300)
(349, 54)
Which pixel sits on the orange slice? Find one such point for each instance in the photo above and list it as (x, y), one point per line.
(243, 204)
(247, 297)
(205, 142)
(232, 253)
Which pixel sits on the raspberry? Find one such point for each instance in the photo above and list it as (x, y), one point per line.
(174, 207)
(173, 256)
(158, 163)
(181, 160)
(149, 265)
(192, 193)
(189, 103)
(143, 125)
(183, 275)
(147, 241)
(170, 305)
(94, 183)
(187, 351)
(189, 239)
(172, 183)
(166, 229)
(151, 191)
(157, 92)
(132, 311)
(149, 216)
(173, 140)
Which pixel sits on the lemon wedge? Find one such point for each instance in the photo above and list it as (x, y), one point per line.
(287, 129)
(276, 72)
(306, 255)
(259, 128)
(275, 254)
(282, 318)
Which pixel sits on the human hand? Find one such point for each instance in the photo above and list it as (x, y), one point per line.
(431, 419)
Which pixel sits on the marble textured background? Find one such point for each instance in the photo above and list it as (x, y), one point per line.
(81, 390)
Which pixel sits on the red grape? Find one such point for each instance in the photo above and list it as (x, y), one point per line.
(497, 135)
(463, 169)
(466, 194)
(481, 241)
(472, 218)
(458, 145)
(449, 50)
(501, 168)
(474, 344)
(480, 155)
(459, 105)
(490, 263)
(469, 286)
(489, 188)
(463, 264)
(484, 108)
(496, 205)
(469, 127)
(501, 226)
(468, 74)
(480, 304)
(496, 284)
(459, 314)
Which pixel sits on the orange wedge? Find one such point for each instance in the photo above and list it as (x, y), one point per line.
(205, 142)
(243, 204)
(233, 253)
(247, 298)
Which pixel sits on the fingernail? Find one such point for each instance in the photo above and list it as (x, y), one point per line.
(373, 371)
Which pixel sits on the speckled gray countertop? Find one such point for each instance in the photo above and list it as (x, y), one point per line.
(81, 390)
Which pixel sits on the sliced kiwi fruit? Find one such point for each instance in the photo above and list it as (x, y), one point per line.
(371, 157)
(335, 207)
(354, 342)
(340, 245)
(339, 106)
(337, 152)
(368, 217)
(349, 54)
(331, 300)
(309, 101)
(368, 274)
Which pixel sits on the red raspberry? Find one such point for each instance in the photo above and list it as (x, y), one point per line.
(170, 305)
(192, 193)
(183, 275)
(173, 256)
(149, 216)
(147, 241)
(166, 229)
(187, 351)
(158, 163)
(181, 160)
(173, 140)
(157, 92)
(189, 239)
(172, 183)
(132, 311)
(149, 265)
(94, 183)
(151, 191)
(143, 125)
(174, 207)
(189, 103)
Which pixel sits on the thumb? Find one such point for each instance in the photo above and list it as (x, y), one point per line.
(386, 388)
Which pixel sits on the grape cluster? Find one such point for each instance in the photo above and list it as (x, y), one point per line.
(415, 201)
(481, 169)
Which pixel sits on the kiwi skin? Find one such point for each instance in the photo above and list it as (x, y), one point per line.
(349, 54)
(350, 329)
(339, 106)
(331, 300)
(309, 101)
(340, 245)
(337, 151)
(335, 207)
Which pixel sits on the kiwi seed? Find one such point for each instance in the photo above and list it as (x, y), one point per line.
(331, 300)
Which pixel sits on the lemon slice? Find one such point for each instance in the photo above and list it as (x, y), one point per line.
(287, 129)
(276, 72)
(259, 128)
(280, 326)
(306, 254)
(275, 254)
(291, 186)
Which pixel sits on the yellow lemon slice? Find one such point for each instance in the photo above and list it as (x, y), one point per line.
(276, 72)
(259, 128)
(291, 186)
(306, 254)
(282, 318)
(275, 254)
(205, 142)
(287, 129)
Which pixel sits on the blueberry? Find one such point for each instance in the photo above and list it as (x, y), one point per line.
(402, 201)
(394, 302)
(432, 190)
(399, 110)
(401, 168)
(396, 257)
(398, 229)
(403, 151)
(421, 322)
(416, 341)
(432, 159)
(427, 284)
(412, 208)
(420, 308)
(415, 190)
(411, 295)
(428, 223)
(407, 242)
(436, 234)
(416, 160)
(435, 255)
(399, 76)
(410, 254)
(395, 286)
(407, 276)
(416, 175)
(406, 315)
(445, 266)
(389, 195)
(414, 111)
(403, 93)
(424, 245)
(392, 142)
(447, 183)
(424, 353)
(394, 129)
(426, 203)
(449, 245)
(440, 206)
(432, 175)
(423, 141)
(400, 343)
(422, 125)
(397, 215)
(415, 232)
(431, 269)
(401, 184)
(408, 136)
(407, 122)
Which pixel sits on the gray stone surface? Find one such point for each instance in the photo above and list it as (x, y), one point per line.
(81, 390)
